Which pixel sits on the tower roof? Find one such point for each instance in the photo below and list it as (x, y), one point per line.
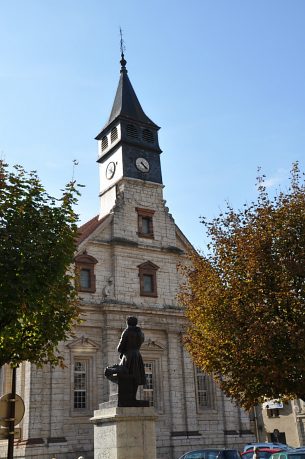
(126, 103)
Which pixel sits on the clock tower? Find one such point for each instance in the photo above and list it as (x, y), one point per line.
(128, 144)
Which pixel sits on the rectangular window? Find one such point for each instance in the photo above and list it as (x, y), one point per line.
(204, 386)
(145, 223)
(148, 279)
(152, 391)
(80, 384)
(202, 391)
(148, 389)
(84, 268)
(85, 278)
(148, 283)
(145, 226)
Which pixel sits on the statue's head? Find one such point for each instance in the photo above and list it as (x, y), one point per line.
(132, 321)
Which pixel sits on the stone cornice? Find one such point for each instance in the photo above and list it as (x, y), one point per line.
(121, 242)
(123, 307)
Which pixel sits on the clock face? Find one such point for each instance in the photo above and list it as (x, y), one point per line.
(142, 164)
(110, 170)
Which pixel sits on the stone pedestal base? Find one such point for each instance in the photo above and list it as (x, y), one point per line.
(124, 433)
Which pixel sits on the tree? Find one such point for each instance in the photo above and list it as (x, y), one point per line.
(245, 299)
(38, 301)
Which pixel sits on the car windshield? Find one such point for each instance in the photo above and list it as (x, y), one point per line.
(211, 454)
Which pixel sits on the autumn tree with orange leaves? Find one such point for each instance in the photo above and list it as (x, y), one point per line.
(245, 300)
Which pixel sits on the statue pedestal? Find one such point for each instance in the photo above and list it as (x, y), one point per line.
(124, 433)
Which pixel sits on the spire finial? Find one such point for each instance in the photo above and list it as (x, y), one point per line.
(122, 46)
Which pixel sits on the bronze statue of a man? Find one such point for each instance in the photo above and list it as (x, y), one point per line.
(129, 349)
(130, 373)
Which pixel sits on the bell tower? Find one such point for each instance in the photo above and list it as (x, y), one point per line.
(128, 146)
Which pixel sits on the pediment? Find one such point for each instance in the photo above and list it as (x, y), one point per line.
(83, 344)
(151, 345)
(85, 259)
(148, 265)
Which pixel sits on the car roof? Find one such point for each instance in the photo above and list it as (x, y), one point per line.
(294, 453)
(291, 452)
(208, 450)
(263, 449)
(265, 445)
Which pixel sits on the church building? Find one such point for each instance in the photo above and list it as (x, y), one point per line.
(127, 263)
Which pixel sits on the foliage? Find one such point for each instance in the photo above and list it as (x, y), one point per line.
(38, 302)
(245, 300)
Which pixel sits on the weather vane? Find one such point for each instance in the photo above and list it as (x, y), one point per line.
(122, 43)
(122, 61)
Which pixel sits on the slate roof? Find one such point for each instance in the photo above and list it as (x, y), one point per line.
(126, 103)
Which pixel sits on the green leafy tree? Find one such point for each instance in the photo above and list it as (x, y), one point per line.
(38, 301)
(245, 300)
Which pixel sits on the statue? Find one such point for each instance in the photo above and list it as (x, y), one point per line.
(129, 373)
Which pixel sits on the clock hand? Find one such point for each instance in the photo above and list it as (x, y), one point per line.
(144, 165)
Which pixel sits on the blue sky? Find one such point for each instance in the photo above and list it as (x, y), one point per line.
(225, 80)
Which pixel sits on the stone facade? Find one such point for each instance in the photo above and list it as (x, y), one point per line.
(52, 425)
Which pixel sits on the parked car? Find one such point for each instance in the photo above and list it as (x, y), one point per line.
(264, 453)
(217, 453)
(291, 454)
(266, 445)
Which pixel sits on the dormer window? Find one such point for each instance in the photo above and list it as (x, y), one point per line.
(85, 276)
(104, 143)
(132, 131)
(148, 279)
(114, 134)
(148, 136)
(145, 222)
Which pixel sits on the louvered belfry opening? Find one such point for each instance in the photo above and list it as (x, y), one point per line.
(148, 136)
(104, 143)
(114, 134)
(132, 131)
